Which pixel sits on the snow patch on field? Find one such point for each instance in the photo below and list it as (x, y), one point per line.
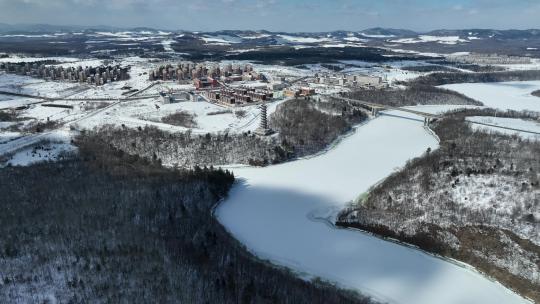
(221, 39)
(342, 45)
(428, 38)
(7, 136)
(377, 36)
(167, 45)
(40, 153)
(39, 147)
(355, 39)
(37, 87)
(19, 59)
(298, 39)
(258, 36)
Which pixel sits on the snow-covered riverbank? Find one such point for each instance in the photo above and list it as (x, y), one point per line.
(526, 129)
(502, 95)
(280, 213)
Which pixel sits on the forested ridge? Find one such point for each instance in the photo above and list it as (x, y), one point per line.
(442, 78)
(109, 227)
(475, 199)
(306, 126)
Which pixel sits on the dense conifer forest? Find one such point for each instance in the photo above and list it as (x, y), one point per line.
(108, 227)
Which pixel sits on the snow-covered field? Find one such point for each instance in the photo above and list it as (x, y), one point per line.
(38, 147)
(221, 40)
(32, 86)
(526, 129)
(390, 73)
(284, 213)
(18, 59)
(40, 153)
(209, 118)
(298, 39)
(502, 95)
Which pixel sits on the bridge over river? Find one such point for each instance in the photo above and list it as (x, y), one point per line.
(376, 107)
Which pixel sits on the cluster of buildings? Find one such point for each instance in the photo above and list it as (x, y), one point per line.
(239, 95)
(299, 92)
(170, 96)
(89, 75)
(354, 80)
(204, 75)
(488, 59)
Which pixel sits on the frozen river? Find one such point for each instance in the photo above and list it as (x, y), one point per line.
(514, 95)
(281, 212)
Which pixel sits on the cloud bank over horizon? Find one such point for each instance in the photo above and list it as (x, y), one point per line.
(277, 15)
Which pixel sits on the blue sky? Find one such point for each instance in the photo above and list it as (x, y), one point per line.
(278, 15)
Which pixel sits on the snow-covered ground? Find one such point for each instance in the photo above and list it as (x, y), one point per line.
(221, 40)
(18, 59)
(391, 71)
(209, 118)
(299, 39)
(7, 102)
(40, 153)
(284, 213)
(533, 65)
(33, 86)
(39, 147)
(428, 38)
(502, 95)
(526, 129)
(7, 136)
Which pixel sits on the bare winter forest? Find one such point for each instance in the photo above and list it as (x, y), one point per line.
(442, 78)
(476, 199)
(536, 93)
(452, 67)
(304, 127)
(416, 94)
(116, 228)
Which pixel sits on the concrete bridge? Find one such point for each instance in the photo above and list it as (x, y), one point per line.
(376, 107)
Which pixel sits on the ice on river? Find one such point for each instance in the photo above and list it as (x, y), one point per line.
(283, 213)
(502, 95)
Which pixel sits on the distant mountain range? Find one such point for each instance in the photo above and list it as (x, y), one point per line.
(58, 39)
(377, 32)
(47, 28)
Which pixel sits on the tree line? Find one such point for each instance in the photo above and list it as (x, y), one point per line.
(475, 199)
(442, 78)
(107, 226)
(415, 94)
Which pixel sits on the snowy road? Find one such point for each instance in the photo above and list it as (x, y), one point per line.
(280, 213)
